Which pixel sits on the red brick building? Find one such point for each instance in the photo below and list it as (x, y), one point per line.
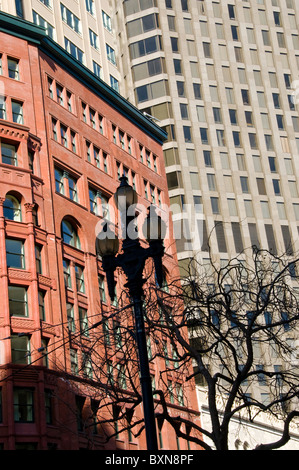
(65, 139)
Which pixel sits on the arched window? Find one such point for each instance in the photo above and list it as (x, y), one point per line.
(69, 234)
(12, 208)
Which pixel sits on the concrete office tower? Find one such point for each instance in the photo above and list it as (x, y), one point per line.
(83, 28)
(220, 77)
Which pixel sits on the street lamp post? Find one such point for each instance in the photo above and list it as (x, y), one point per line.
(132, 261)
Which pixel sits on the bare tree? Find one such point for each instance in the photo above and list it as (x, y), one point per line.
(232, 328)
(243, 331)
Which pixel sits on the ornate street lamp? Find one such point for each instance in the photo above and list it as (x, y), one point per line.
(132, 261)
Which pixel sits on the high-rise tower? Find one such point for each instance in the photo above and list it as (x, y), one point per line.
(220, 78)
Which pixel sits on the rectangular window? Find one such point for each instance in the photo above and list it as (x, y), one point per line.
(18, 304)
(236, 137)
(220, 237)
(117, 334)
(79, 273)
(41, 304)
(54, 130)
(20, 349)
(114, 83)
(70, 19)
(38, 259)
(23, 405)
(272, 164)
(92, 118)
(59, 94)
(73, 193)
(233, 117)
(17, 112)
(63, 136)
(97, 70)
(106, 21)
(19, 8)
(276, 100)
(261, 186)
(67, 274)
(73, 141)
(59, 181)
(187, 134)
(74, 50)
(69, 98)
(203, 135)
(276, 187)
(15, 254)
(90, 6)
(215, 205)
(110, 54)
(211, 182)
(93, 201)
(101, 280)
(70, 317)
(93, 38)
(83, 321)
(75, 369)
(9, 154)
(220, 137)
(2, 107)
(87, 366)
(244, 184)
(13, 68)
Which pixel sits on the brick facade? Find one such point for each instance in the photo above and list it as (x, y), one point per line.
(65, 140)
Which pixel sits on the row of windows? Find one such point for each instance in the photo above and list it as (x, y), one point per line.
(236, 139)
(152, 90)
(24, 402)
(233, 117)
(67, 185)
(217, 11)
(234, 230)
(183, 237)
(70, 186)
(178, 202)
(265, 35)
(175, 181)
(248, 205)
(207, 159)
(226, 73)
(68, 138)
